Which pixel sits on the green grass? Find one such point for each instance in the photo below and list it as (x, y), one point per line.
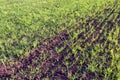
(25, 23)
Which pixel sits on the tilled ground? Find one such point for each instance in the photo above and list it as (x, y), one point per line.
(48, 63)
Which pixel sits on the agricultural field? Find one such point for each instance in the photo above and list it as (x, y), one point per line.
(59, 39)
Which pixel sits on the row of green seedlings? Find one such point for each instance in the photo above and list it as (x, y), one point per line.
(27, 61)
(64, 43)
(107, 27)
(45, 42)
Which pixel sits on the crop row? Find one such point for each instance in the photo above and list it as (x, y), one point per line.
(60, 62)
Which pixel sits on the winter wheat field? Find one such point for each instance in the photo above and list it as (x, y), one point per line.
(59, 39)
